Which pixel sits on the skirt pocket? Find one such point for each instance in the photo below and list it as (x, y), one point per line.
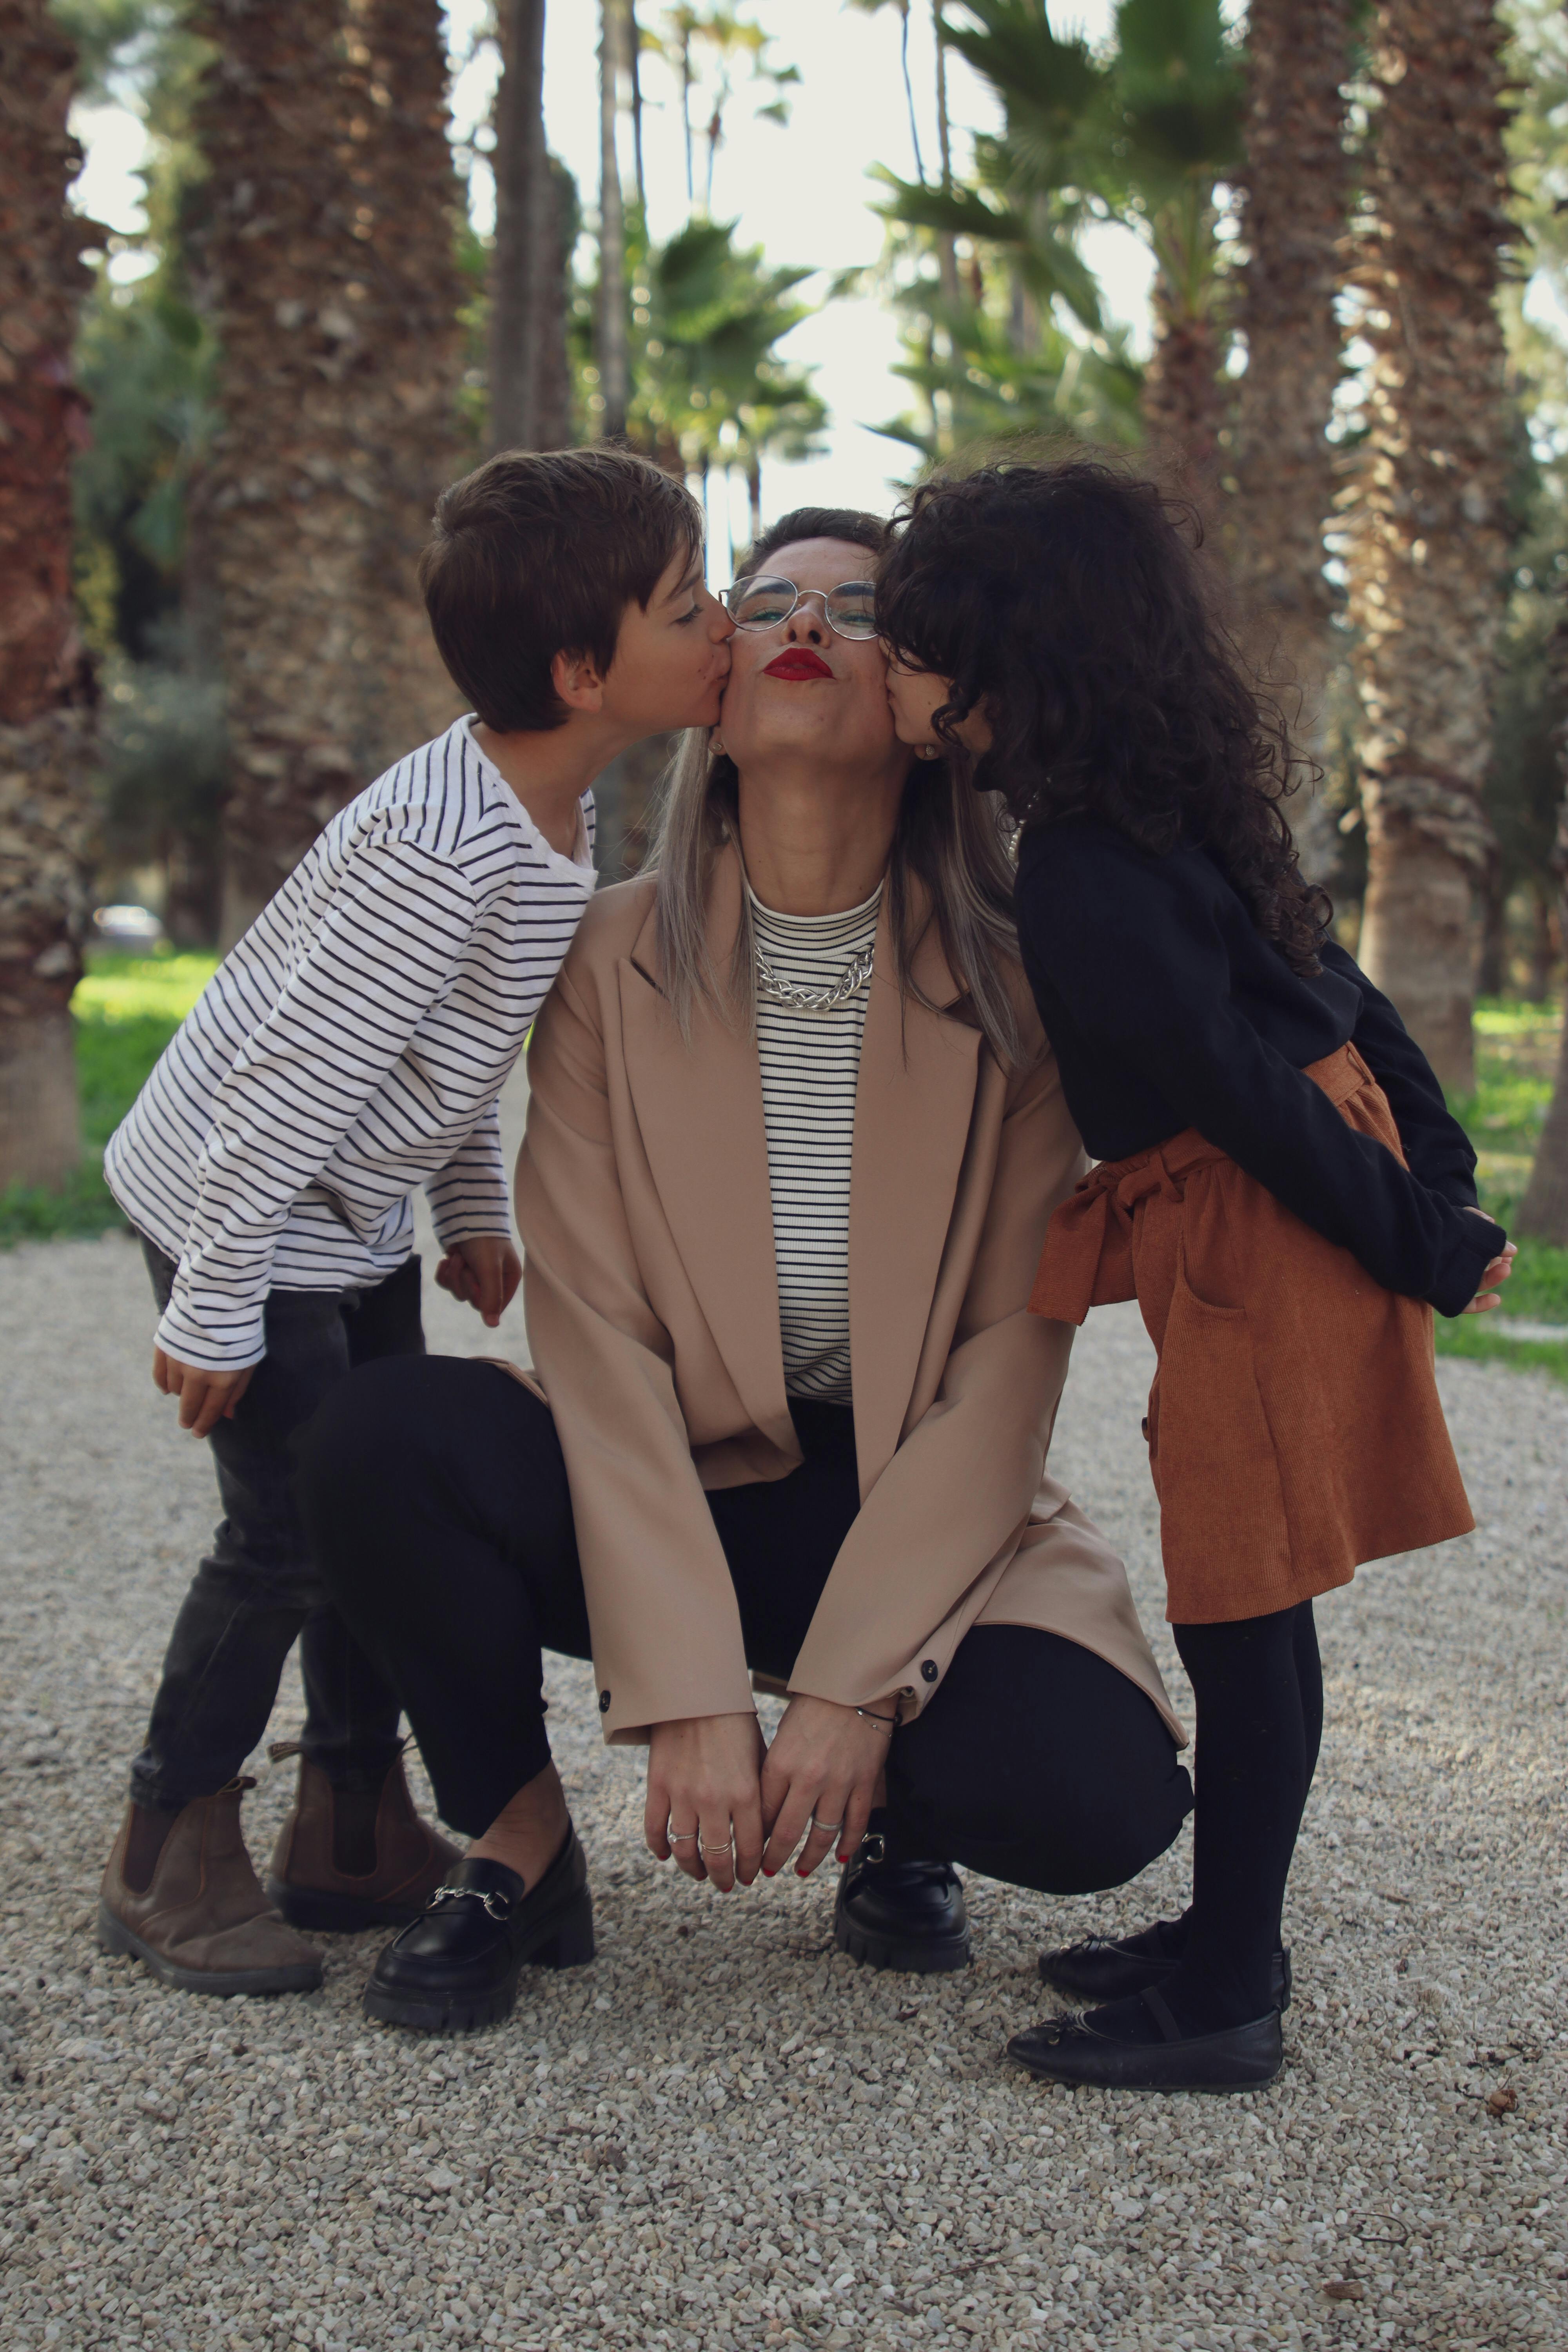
(1222, 1511)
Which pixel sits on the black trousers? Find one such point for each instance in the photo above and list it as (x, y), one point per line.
(439, 1509)
(257, 1592)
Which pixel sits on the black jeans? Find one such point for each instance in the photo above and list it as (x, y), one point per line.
(257, 1592)
(439, 1509)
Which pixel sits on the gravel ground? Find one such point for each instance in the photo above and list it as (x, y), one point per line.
(722, 2133)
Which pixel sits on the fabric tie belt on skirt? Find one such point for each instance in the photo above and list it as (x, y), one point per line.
(1089, 1259)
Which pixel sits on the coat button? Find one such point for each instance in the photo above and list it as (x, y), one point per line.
(929, 1669)
(603, 1701)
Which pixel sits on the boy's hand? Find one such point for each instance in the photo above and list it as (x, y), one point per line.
(206, 1397)
(483, 1271)
(1497, 1272)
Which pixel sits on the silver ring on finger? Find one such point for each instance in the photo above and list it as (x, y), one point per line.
(828, 1829)
(720, 1845)
(679, 1837)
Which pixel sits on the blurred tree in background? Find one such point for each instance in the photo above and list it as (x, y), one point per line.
(46, 682)
(311, 334)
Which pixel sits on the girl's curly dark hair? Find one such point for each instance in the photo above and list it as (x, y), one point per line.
(1068, 598)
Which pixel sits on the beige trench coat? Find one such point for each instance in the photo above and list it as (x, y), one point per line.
(652, 1302)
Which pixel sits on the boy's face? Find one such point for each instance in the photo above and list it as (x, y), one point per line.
(672, 660)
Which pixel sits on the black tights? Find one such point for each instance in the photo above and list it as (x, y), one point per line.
(1259, 1685)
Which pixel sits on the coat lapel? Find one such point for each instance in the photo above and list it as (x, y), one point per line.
(699, 1112)
(912, 1109)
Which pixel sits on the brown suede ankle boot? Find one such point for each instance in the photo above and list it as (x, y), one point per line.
(351, 1858)
(202, 1922)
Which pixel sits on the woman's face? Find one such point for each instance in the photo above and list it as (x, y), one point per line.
(915, 696)
(801, 689)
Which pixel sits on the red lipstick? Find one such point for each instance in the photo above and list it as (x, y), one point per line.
(797, 662)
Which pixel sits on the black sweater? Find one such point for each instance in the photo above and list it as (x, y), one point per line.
(1168, 1010)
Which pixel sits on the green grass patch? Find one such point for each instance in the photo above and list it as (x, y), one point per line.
(126, 1009)
(1517, 1045)
(1516, 1061)
(1471, 1336)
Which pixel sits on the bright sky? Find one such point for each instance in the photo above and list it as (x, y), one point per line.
(803, 194)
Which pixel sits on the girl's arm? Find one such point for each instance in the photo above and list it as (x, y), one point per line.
(1438, 1149)
(1139, 959)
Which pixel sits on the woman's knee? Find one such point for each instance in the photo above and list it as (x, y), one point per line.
(1043, 1765)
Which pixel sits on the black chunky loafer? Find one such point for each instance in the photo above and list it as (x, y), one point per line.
(900, 1914)
(1098, 1969)
(1070, 2050)
(457, 1966)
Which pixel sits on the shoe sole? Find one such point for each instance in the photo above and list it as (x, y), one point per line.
(568, 1945)
(1153, 2081)
(1166, 2083)
(115, 1936)
(935, 1959)
(323, 1913)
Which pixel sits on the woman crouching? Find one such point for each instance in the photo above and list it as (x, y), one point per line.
(793, 1141)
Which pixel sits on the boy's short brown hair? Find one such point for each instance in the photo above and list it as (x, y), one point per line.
(539, 552)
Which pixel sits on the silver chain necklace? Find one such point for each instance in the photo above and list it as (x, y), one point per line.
(856, 975)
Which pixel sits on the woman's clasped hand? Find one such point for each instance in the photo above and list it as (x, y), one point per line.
(724, 1804)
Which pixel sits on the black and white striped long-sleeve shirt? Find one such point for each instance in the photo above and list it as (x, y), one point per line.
(810, 1067)
(351, 1049)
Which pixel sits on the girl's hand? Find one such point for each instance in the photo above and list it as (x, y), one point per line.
(822, 1767)
(703, 1777)
(1497, 1272)
(483, 1271)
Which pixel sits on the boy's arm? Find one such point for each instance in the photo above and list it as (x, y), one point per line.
(379, 957)
(470, 1195)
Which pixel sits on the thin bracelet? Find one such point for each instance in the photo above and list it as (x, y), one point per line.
(889, 1723)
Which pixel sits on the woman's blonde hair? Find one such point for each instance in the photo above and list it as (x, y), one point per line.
(951, 841)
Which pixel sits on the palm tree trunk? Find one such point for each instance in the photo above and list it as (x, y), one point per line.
(946, 244)
(634, 74)
(614, 385)
(405, 398)
(903, 9)
(1542, 1213)
(1295, 187)
(1184, 396)
(524, 247)
(45, 687)
(325, 260)
(1425, 541)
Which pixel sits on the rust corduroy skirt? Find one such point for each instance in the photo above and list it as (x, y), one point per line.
(1294, 1425)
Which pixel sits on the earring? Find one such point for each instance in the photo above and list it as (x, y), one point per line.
(716, 745)
(927, 750)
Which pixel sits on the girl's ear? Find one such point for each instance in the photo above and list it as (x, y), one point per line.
(578, 681)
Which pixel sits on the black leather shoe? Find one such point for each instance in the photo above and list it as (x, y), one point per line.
(1098, 1970)
(457, 1966)
(900, 1914)
(1069, 2050)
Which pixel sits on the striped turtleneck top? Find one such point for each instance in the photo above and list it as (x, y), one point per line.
(810, 1065)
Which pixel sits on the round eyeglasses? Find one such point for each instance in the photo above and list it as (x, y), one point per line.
(765, 602)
